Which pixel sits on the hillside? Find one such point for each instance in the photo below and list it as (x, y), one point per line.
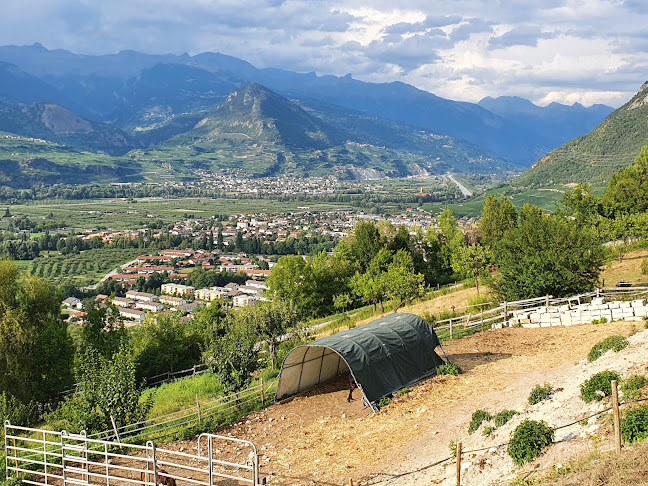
(263, 133)
(139, 91)
(25, 162)
(57, 124)
(595, 157)
(319, 438)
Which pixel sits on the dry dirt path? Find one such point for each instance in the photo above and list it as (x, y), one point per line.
(319, 438)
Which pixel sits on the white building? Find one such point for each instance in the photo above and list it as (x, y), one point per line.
(177, 289)
(244, 300)
(149, 306)
(210, 294)
(172, 301)
(132, 314)
(141, 296)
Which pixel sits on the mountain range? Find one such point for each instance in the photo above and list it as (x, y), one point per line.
(150, 105)
(597, 155)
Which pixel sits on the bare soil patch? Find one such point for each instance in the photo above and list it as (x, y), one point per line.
(319, 438)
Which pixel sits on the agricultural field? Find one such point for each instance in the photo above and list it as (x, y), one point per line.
(122, 214)
(84, 268)
(545, 198)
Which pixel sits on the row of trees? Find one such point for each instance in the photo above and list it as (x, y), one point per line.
(40, 355)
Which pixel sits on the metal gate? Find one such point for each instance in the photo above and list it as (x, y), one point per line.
(48, 458)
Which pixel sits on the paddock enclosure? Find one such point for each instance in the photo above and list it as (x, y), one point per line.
(49, 458)
(383, 357)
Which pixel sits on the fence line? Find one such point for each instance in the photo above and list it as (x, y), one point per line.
(497, 446)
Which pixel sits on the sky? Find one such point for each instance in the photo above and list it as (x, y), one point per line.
(586, 51)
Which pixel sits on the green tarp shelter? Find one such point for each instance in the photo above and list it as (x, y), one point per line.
(383, 356)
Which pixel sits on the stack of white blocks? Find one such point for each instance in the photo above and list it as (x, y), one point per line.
(570, 315)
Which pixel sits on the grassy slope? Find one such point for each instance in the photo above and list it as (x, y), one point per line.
(628, 270)
(596, 156)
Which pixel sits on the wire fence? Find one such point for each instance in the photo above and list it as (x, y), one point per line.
(457, 457)
(479, 317)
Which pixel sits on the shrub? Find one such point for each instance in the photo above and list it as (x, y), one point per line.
(478, 417)
(603, 320)
(632, 385)
(595, 321)
(540, 393)
(634, 425)
(504, 416)
(15, 411)
(644, 266)
(598, 386)
(449, 369)
(528, 439)
(403, 391)
(616, 343)
(488, 431)
(384, 401)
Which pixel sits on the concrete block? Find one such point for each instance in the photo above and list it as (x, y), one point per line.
(607, 314)
(640, 311)
(531, 325)
(638, 303)
(535, 316)
(566, 320)
(617, 314)
(614, 305)
(546, 317)
(555, 321)
(598, 301)
(625, 305)
(564, 308)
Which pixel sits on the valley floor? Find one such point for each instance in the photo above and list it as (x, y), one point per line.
(318, 438)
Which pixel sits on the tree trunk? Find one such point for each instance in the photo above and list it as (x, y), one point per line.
(477, 283)
(382, 307)
(271, 350)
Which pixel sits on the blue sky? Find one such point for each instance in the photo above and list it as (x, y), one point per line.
(590, 51)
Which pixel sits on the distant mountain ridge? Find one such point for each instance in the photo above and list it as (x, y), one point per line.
(136, 91)
(597, 155)
(57, 124)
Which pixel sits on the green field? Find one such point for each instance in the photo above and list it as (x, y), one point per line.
(84, 268)
(118, 214)
(545, 198)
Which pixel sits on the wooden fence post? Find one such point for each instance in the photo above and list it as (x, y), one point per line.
(350, 482)
(617, 421)
(198, 407)
(262, 392)
(547, 300)
(451, 337)
(459, 463)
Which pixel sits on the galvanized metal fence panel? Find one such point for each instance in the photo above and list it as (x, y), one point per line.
(51, 458)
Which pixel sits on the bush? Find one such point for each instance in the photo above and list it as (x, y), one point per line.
(603, 320)
(15, 411)
(632, 385)
(404, 391)
(449, 369)
(504, 416)
(616, 343)
(528, 439)
(644, 266)
(478, 417)
(598, 386)
(383, 402)
(488, 431)
(540, 393)
(634, 425)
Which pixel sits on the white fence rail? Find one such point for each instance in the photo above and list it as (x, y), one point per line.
(476, 318)
(48, 458)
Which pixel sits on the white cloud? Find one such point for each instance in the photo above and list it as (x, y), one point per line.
(573, 50)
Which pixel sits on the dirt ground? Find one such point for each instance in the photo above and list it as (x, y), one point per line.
(318, 438)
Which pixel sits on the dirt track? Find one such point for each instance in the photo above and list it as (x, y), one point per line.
(319, 438)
